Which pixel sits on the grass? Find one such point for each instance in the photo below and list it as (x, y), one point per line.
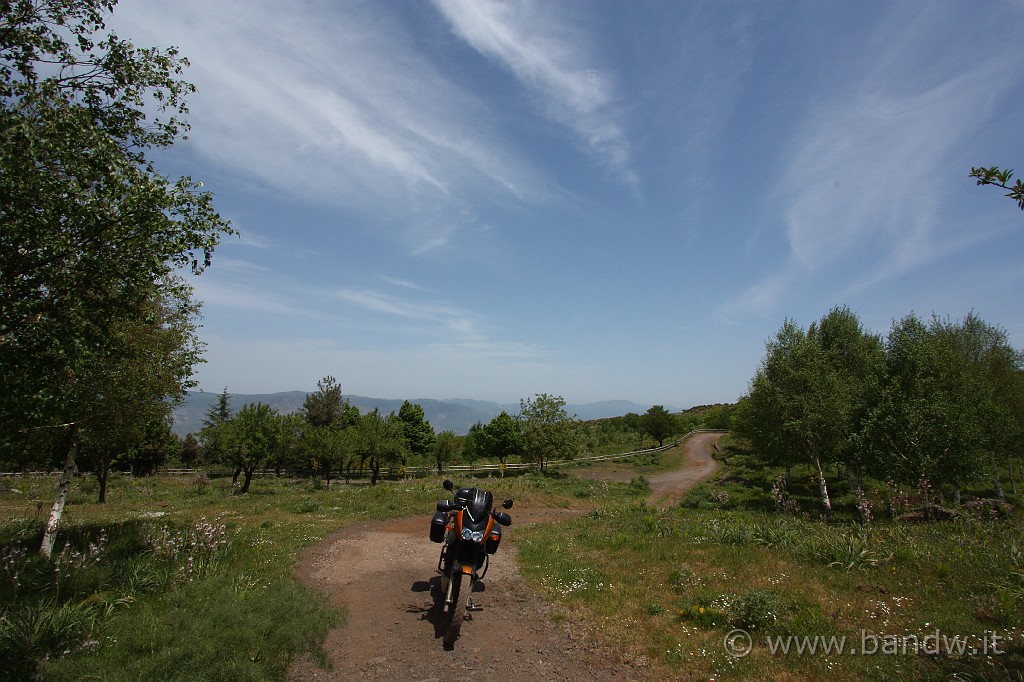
(671, 584)
(668, 584)
(176, 578)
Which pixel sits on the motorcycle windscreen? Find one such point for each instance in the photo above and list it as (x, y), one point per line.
(478, 502)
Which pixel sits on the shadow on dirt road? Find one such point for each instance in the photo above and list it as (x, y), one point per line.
(382, 575)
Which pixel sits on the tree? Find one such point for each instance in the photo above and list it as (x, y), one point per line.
(380, 440)
(659, 423)
(794, 405)
(190, 451)
(445, 447)
(548, 430)
(1001, 178)
(325, 407)
(474, 445)
(995, 368)
(124, 404)
(503, 437)
(220, 411)
(328, 417)
(291, 447)
(928, 425)
(327, 448)
(418, 433)
(88, 226)
(210, 434)
(250, 437)
(856, 360)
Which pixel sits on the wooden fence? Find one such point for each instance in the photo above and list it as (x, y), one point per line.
(419, 470)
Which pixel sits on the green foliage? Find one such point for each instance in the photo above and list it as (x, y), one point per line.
(548, 431)
(940, 402)
(659, 424)
(503, 437)
(249, 438)
(323, 408)
(1001, 178)
(419, 435)
(89, 230)
(380, 441)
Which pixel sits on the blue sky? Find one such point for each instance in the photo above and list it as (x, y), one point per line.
(599, 200)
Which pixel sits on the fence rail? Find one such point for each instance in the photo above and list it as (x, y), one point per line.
(417, 470)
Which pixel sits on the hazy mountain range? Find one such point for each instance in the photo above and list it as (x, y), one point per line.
(454, 414)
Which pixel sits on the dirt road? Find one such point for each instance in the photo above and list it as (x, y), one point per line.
(668, 488)
(383, 576)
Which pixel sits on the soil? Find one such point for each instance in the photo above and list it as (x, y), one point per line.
(382, 575)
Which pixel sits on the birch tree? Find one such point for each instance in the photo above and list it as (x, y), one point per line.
(88, 226)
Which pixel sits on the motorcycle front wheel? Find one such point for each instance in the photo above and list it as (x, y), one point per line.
(461, 586)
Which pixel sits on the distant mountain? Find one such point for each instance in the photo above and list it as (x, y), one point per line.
(456, 414)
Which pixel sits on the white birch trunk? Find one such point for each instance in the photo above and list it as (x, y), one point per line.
(823, 489)
(995, 477)
(46, 548)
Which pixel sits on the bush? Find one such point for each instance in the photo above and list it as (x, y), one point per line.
(756, 610)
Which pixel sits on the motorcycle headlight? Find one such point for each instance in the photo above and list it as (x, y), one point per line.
(474, 535)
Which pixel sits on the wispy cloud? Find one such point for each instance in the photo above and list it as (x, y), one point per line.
(452, 318)
(238, 296)
(399, 282)
(866, 177)
(549, 58)
(338, 105)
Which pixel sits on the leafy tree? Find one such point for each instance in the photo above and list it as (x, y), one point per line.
(548, 430)
(475, 444)
(145, 459)
(1001, 178)
(327, 444)
(210, 433)
(928, 423)
(250, 438)
(503, 437)
(291, 448)
(419, 435)
(327, 448)
(325, 407)
(380, 440)
(88, 227)
(994, 367)
(445, 447)
(190, 451)
(856, 360)
(635, 423)
(794, 400)
(659, 423)
(122, 403)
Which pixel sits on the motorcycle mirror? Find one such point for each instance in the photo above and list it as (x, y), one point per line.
(507, 504)
(448, 485)
(503, 518)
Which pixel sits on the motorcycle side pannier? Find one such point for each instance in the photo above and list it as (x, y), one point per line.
(437, 524)
(493, 539)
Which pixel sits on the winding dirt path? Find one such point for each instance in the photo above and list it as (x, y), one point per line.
(668, 488)
(383, 575)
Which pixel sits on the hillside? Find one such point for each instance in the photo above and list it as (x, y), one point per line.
(456, 414)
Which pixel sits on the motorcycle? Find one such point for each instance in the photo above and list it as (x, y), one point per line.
(470, 531)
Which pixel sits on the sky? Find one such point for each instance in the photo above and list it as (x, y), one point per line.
(599, 200)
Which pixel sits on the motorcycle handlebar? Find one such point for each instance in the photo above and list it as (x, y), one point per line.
(449, 506)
